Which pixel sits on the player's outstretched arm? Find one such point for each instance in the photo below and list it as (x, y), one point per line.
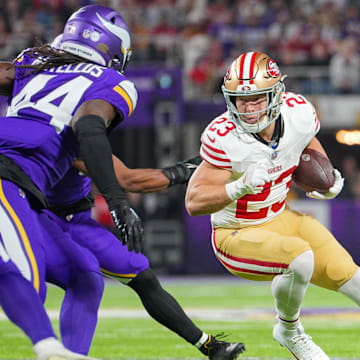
(7, 76)
(149, 180)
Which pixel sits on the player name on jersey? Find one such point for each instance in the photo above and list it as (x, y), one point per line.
(83, 68)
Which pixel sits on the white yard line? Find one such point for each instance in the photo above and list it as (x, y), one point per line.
(231, 315)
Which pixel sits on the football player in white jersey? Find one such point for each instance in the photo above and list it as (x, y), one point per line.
(250, 153)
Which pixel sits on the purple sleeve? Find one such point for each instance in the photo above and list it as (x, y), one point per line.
(116, 89)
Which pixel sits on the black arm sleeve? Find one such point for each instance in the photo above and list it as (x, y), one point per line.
(96, 152)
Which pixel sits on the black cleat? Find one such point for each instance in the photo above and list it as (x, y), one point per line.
(217, 349)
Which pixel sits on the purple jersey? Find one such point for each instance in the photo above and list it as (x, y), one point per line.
(71, 189)
(36, 133)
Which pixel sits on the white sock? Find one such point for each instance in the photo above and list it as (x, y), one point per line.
(290, 325)
(46, 345)
(289, 288)
(351, 288)
(203, 339)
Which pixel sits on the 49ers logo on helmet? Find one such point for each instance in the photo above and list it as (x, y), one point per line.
(272, 68)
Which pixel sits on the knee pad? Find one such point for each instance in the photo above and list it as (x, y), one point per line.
(145, 281)
(302, 267)
(340, 272)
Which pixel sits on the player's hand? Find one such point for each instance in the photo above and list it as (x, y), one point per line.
(252, 182)
(333, 191)
(129, 227)
(182, 171)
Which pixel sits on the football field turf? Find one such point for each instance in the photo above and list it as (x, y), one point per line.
(241, 309)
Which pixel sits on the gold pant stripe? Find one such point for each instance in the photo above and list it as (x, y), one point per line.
(109, 273)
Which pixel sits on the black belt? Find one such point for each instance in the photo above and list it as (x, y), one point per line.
(11, 171)
(84, 204)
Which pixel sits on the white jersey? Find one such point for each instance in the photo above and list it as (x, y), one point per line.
(226, 147)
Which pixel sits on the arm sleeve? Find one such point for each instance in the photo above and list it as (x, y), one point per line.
(96, 151)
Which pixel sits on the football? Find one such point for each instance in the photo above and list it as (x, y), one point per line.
(314, 172)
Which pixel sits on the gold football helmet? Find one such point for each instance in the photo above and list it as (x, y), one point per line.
(254, 73)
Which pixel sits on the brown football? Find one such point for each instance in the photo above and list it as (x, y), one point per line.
(314, 172)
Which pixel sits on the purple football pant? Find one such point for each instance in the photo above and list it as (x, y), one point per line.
(22, 265)
(75, 269)
(114, 258)
(95, 247)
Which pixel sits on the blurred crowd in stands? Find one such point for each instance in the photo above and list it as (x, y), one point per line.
(203, 36)
(315, 39)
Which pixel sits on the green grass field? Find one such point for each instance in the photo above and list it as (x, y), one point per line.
(243, 310)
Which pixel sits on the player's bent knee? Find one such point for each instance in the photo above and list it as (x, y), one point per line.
(144, 281)
(92, 283)
(303, 266)
(339, 272)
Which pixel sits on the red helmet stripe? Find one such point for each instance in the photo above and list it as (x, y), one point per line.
(241, 69)
(252, 62)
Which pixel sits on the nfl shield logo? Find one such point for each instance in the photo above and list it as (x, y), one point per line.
(274, 155)
(86, 34)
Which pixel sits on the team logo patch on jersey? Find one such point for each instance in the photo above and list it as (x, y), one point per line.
(272, 68)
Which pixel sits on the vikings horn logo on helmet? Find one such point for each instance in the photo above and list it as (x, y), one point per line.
(98, 34)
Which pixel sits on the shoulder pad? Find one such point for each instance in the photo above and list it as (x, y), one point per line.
(299, 111)
(212, 149)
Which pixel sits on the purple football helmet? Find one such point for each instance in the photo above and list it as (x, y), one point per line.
(98, 34)
(56, 43)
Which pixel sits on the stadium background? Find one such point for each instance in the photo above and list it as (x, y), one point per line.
(181, 49)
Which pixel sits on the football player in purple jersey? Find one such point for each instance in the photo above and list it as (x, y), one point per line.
(62, 103)
(71, 200)
(60, 107)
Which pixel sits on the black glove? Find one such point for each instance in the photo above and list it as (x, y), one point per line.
(128, 225)
(182, 171)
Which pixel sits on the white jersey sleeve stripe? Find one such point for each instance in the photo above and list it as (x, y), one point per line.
(216, 152)
(214, 156)
(204, 142)
(212, 160)
(213, 163)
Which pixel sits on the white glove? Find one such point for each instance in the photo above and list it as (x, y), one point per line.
(251, 182)
(333, 191)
